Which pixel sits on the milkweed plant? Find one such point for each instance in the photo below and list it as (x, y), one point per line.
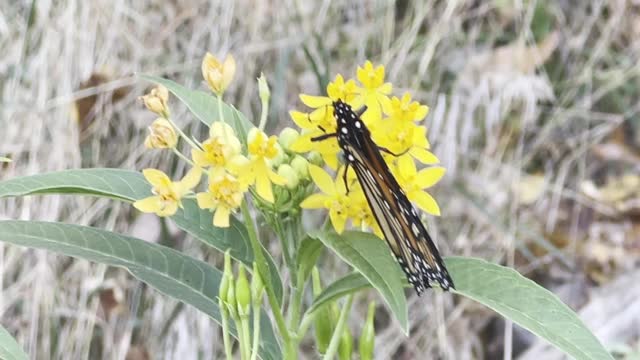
(244, 188)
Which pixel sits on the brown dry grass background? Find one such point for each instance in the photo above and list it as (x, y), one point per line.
(533, 111)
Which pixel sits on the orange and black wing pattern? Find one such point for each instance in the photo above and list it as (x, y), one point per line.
(402, 227)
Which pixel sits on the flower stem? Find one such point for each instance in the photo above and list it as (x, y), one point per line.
(256, 331)
(264, 273)
(263, 114)
(182, 156)
(225, 331)
(339, 329)
(183, 135)
(246, 348)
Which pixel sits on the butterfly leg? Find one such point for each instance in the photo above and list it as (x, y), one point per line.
(384, 149)
(344, 177)
(323, 137)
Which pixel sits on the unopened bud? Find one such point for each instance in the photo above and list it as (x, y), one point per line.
(287, 172)
(218, 75)
(157, 100)
(263, 88)
(162, 135)
(287, 137)
(301, 166)
(243, 293)
(367, 338)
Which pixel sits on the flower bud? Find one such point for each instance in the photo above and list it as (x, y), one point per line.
(345, 348)
(287, 172)
(263, 88)
(218, 75)
(227, 277)
(231, 300)
(301, 166)
(315, 158)
(243, 293)
(322, 322)
(287, 137)
(157, 101)
(280, 157)
(162, 135)
(367, 338)
(257, 286)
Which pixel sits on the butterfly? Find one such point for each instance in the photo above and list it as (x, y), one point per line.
(402, 228)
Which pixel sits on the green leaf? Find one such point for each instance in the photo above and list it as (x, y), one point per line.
(339, 288)
(131, 186)
(112, 183)
(371, 257)
(9, 348)
(525, 303)
(308, 254)
(189, 280)
(205, 106)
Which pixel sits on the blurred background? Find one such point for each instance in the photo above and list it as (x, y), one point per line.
(534, 110)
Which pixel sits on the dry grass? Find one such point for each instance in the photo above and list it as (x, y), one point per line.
(523, 132)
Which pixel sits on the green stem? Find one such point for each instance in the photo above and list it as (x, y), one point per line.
(264, 113)
(256, 331)
(183, 157)
(183, 135)
(246, 348)
(337, 332)
(286, 247)
(263, 268)
(225, 330)
(306, 322)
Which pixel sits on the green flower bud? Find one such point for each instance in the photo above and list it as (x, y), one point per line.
(322, 323)
(280, 157)
(345, 348)
(257, 286)
(367, 338)
(287, 137)
(315, 158)
(287, 172)
(231, 300)
(301, 166)
(263, 88)
(243, 293)
(227, 277)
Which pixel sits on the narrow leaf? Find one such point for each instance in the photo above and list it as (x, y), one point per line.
(131, 186)
(308, 254)
(9, 348)
(371, 257)
(525, 303)
(184, 278)
(339, 288)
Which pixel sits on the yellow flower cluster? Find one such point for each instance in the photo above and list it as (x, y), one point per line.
(393, 123)
(230, 173)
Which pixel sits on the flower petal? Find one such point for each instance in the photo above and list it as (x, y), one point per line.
(406, 166)
(314, 201)
(152, 204)
(424, 156)
(338, 221)
(315, 101)
(430, 176)
(263, 187)
(170, 208)
(302, 144)
(221, 217)
(425, 202)
(157, 179)
(206, 200)
(301, 119)
(322, 179)
(190, 180)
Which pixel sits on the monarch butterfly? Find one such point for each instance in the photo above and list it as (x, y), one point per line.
(402, 228)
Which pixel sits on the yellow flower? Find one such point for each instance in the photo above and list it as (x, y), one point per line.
(218, 75)
(162, 135)
(403, 109)
(374, 91)
(339, 89)
(167, 194)
(263, 151)
(157, 101)
(222, 147)
(311, 124)
(224, 195)
(404, 138)
(414, 182)
(360, 212)
(333, 197)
